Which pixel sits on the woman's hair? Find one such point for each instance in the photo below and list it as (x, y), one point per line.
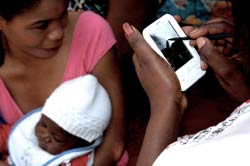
(11, 8)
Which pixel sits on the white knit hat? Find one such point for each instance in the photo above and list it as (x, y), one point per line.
(80, 106)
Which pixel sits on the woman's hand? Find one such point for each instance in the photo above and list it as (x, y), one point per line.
(229, 75)
(167, 102)
(214, 26)
(156, 76)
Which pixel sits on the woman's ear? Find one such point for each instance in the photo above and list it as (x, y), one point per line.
(2, 22)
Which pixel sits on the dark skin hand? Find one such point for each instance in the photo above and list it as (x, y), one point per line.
(225, 46)
(232, 79)
(162, 87)
(167, 102)
(220, 56)
(214, 26)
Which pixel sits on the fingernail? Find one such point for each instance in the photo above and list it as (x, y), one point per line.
(127, 28)
(200, 42)
(194, 31)
(203, 65)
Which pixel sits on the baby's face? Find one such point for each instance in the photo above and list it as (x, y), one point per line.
(53, 138)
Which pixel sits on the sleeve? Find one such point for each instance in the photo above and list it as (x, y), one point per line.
(93, 38)
(4, 132)
(82, 160)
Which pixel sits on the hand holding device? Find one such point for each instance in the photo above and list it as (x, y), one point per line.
(183, 58)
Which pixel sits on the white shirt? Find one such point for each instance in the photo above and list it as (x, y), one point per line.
(226, 144)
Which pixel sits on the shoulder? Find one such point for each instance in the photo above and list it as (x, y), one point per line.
(93, 28)
(88, 23)
(93, 21)
(85, 17)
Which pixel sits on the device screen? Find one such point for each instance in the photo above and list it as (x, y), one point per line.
(176, 51)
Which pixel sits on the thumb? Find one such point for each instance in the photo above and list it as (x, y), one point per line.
(143, 51)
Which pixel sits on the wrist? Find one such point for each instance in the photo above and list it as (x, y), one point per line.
(169, 103)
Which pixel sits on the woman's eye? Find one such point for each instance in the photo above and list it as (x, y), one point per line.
(58, 139)
(43, 26)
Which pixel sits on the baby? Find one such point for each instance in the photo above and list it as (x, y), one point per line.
(70, 124)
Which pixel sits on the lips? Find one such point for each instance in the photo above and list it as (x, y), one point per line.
(53, 50)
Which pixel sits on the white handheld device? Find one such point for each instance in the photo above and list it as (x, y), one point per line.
(183, 58)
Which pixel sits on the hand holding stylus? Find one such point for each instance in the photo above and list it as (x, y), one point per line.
(218, 30)
(211, 37)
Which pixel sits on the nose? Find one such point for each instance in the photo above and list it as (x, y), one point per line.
(56, 31)
(47, 140)
(45, 136)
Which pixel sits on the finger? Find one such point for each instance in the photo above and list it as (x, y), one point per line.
(188, 29)
(219, 20)
(136, 63)
(142, 50)
(177, 18)
(204, 65)
(212, 28)
(220, 64)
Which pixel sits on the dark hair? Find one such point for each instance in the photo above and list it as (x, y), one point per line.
(11, 8)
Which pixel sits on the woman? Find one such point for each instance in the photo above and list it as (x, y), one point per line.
(42, 46)
(223, 144)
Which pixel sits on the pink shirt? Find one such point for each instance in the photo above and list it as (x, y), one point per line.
(92, 38)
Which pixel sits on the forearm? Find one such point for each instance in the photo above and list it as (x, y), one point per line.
(162, 130)
(113, 145)
(112, 148)
(107, 72)
(167, 102)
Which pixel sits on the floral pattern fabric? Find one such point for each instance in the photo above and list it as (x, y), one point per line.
(97, 6)
(195, 12)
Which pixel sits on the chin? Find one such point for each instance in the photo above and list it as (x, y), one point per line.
(44, 54)
(52, 51)
(43, 146)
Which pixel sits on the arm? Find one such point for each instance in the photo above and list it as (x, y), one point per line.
(136, 12)
(107, 72)
(166, 100)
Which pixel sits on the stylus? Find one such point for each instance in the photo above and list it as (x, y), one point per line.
(211, 37)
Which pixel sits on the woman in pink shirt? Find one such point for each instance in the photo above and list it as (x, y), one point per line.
(43, 45)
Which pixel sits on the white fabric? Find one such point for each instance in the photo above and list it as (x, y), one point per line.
(25, 151)
(80, 106)
(226, 144)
